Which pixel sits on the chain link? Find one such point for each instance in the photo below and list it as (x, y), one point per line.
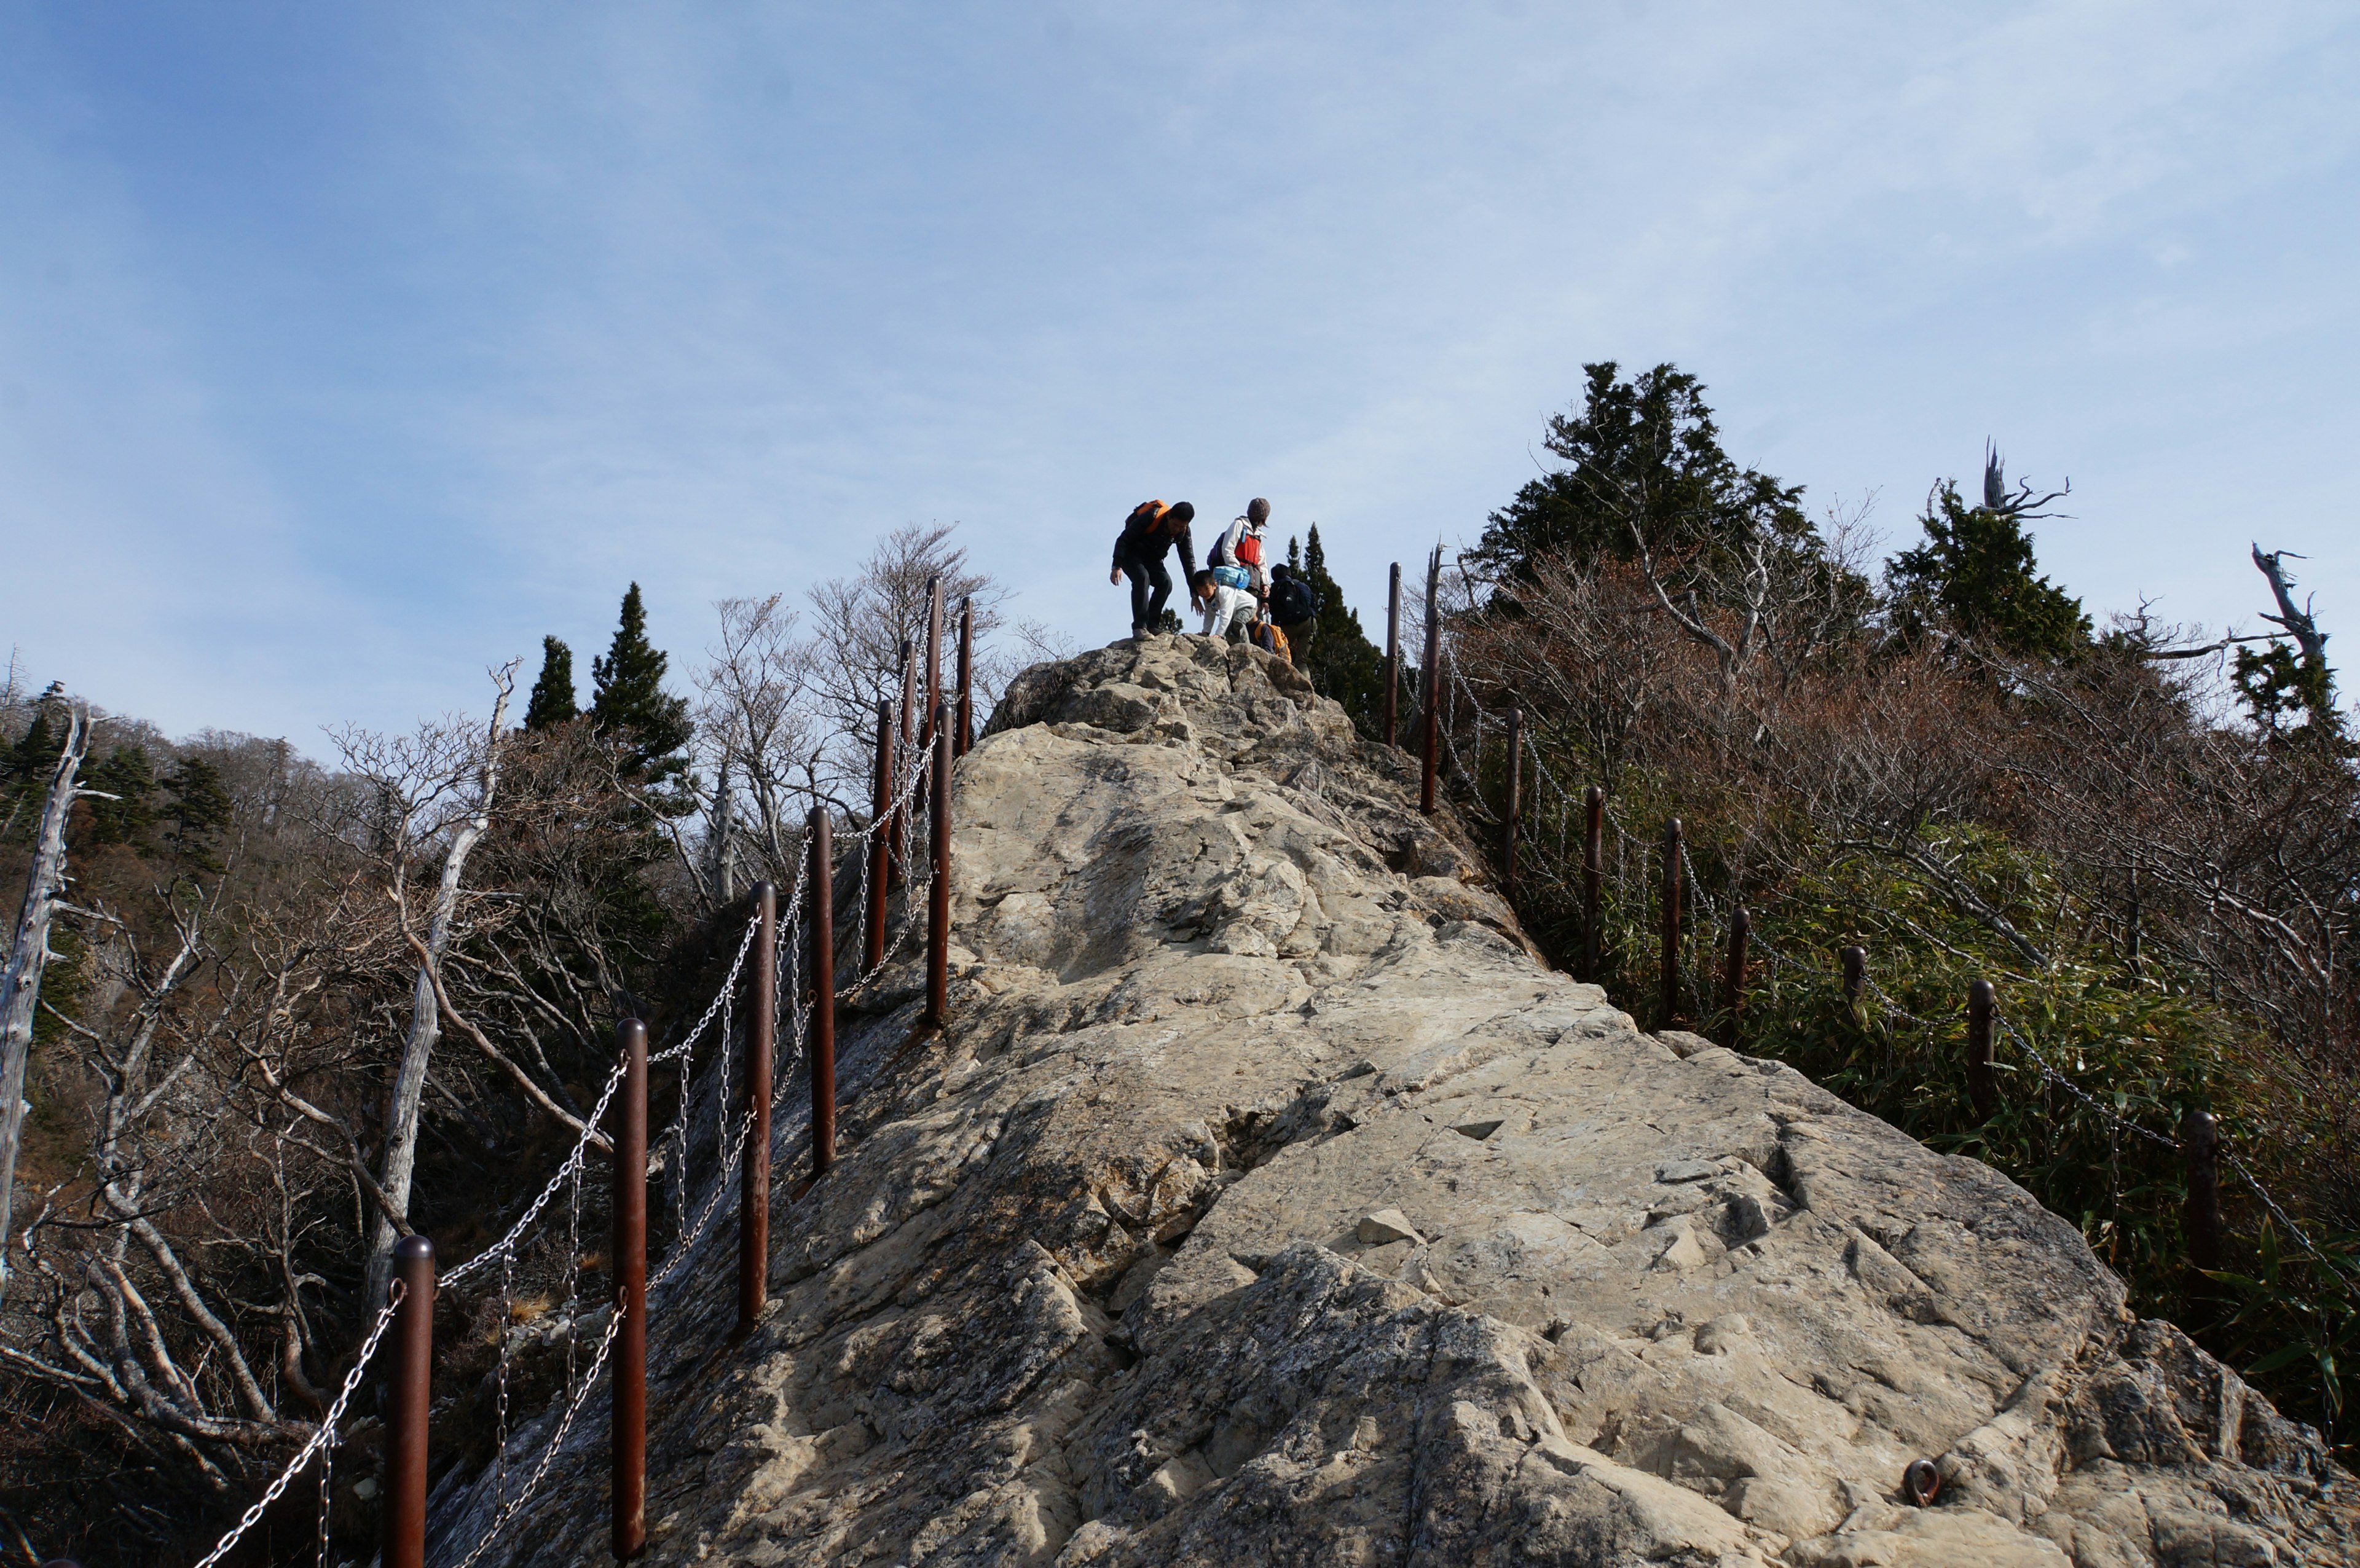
(322, 1436)
(556, 1440)
(327, 1470)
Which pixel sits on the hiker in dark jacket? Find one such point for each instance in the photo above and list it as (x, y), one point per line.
(1147, 535)
(1294, 607)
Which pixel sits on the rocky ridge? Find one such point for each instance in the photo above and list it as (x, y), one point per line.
(1269, 1201)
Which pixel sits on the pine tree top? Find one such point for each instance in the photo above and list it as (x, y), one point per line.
(628, 700)
(552, 700)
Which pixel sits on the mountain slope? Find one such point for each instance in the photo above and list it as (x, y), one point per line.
(1268, 1201)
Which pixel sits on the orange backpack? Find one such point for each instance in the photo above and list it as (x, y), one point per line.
(1144, 518)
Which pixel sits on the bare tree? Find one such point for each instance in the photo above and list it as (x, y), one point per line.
(858, 623)
(2298, 624)
(760, 731)
(438, 788)
(28, 953)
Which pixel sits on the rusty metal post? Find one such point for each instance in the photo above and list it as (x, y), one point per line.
(880, 838)
(1855, 975)
(1593, 877)
(1511, 818)
(754, 1192)
(897, 849)
(414, 1364)
(965, 732)
(822, 839)
(1392, 656)
(2200, 1145)
(1982, 1080)
(1667, 1006)
(1732, 980)
(628, 1440)
(933, 717)
(1430, 699)
(938, 892)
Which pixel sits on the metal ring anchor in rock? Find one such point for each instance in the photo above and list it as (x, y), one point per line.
(1922, 1483)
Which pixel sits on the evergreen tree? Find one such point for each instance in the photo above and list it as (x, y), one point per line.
(1644, 454)
(128, 774)
(630, 704)
(26, 768)
(200, 808)
(1342, 663)
(2279, 687)
(1975, 573)
(552, 700)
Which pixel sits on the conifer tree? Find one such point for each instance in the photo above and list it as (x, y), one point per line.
(1975, 572)
(129, 776)
(1644, 460)
(200, 808)
(553, 700)
(26, 766)
(1342, 661)
(553, 692)
(630, 704)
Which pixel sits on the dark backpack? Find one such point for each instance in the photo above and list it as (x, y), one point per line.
(1292, 600)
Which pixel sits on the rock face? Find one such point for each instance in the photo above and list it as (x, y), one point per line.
(1269, 1202)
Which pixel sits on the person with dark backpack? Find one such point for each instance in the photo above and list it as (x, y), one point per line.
(1147, 536)
(1294, 605)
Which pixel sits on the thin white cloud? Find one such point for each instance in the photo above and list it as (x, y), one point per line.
(710, 301)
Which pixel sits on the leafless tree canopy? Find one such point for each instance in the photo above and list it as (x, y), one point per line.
(375, 997)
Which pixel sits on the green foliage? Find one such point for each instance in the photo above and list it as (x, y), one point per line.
(1168, 622)
(1975, 572)
(2279, 687)
(630, 704)
(1341, 660)
(129, 776)
(27, 766)
(1646, 460)
(552, 700)
(199, 808)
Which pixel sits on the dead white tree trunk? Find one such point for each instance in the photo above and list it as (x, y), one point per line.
(425, 1016)
(2297, 622)
(20, 986)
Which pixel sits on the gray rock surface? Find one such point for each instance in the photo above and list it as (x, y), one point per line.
(1268, 1201)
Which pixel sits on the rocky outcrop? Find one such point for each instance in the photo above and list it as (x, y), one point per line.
(1269, 1202)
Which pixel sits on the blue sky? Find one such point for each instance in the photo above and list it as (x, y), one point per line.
(345, 351)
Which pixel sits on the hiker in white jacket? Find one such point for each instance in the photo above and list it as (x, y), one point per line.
(1238, 581)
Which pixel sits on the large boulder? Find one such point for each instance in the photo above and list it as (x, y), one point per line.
(1268, 1201)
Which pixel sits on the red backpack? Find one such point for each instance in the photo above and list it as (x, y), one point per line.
(1245, 551)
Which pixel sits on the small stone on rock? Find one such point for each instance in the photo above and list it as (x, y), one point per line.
(1384, 1225)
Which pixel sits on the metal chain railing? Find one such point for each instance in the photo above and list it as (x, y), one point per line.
(322, 1437)
(509, 1510)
